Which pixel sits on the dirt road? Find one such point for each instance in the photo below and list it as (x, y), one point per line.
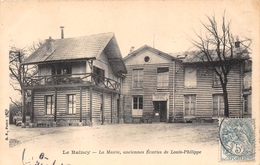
(121, 144)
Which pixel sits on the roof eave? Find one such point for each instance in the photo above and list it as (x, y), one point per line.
(55, 61)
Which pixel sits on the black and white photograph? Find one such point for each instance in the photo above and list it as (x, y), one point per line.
(129, 82)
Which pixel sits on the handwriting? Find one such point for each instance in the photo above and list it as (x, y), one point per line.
(41, 159)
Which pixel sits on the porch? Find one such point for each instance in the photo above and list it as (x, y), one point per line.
(83, 79)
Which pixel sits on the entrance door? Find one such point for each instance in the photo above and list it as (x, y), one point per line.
(117, 110)
(160, 108)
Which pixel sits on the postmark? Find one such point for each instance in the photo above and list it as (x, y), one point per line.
(237, 139)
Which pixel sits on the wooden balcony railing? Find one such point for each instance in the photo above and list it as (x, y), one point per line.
(72, 79)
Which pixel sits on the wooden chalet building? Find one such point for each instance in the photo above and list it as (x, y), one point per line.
(160, 87)
(78, 83)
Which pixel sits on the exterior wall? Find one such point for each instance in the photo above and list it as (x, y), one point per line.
(149, 85)
(204, 91)
(44, 70)
(102, 62)
(65, 119)
(78, 67)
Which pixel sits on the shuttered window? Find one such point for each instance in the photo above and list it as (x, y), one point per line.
(162, 77)
(189, 105)
(49, 104)
(218, 105)
(138, 78)
(247, 80)
(137, 110)
(216, 80)
(247, 104)
(71, 104)
(190, 77)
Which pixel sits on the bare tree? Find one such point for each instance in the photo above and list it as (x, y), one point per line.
(19, 71)
(219, 51)
(16, 57)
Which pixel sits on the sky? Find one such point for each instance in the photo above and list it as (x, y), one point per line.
(164, 25)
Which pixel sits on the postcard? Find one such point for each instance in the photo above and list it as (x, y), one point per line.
(129, 82)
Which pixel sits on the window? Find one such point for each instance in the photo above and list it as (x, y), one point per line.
(71, 104)
(247, 103)
(49, 104)
(138, 78)
(215, 77)
(190, 77)
(146, 59)
(216, 80)
(61, 69)
(189, 105)
(162, 77)
(218, 105)
(99, 74)
(137, 110)
(247, 80)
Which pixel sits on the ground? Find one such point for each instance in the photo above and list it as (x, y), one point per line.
(118, 142)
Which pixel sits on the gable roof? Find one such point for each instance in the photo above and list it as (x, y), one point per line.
(79, 48)
(146, 47)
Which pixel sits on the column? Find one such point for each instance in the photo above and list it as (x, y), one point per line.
(90, 105)
(80, 113)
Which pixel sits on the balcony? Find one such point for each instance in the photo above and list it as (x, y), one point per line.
(84, 79)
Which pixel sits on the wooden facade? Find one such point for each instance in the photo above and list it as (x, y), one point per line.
(193, 94)
(158, 100)
(76, 91)
(204, 93)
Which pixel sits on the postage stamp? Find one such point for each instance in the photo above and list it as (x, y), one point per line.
(237, 139)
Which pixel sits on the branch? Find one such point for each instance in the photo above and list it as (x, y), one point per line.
(14, 103)
(15, 88)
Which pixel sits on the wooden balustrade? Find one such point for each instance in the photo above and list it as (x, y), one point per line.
(72, 79)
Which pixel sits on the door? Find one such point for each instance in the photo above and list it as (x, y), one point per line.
(160, 108)
(117, 110)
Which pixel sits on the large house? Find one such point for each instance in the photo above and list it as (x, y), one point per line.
(160, 87)
(84, 81)
(78, 83)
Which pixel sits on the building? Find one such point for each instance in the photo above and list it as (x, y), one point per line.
(149, 86)
(160, 87)
(199, 94)
(78, 83)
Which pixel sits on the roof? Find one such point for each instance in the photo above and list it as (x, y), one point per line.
(198, 56)
(146, 47)
(79, 48)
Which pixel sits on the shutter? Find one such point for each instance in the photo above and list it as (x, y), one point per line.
(193, 104)
(187, 102)
(215, 105)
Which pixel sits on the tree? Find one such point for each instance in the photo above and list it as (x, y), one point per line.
(18, 71)
(219, 51)
(15, 110)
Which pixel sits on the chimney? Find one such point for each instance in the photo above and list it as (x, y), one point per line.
(62, 33)
(132, 49)
(49, 46)
(237, 43)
